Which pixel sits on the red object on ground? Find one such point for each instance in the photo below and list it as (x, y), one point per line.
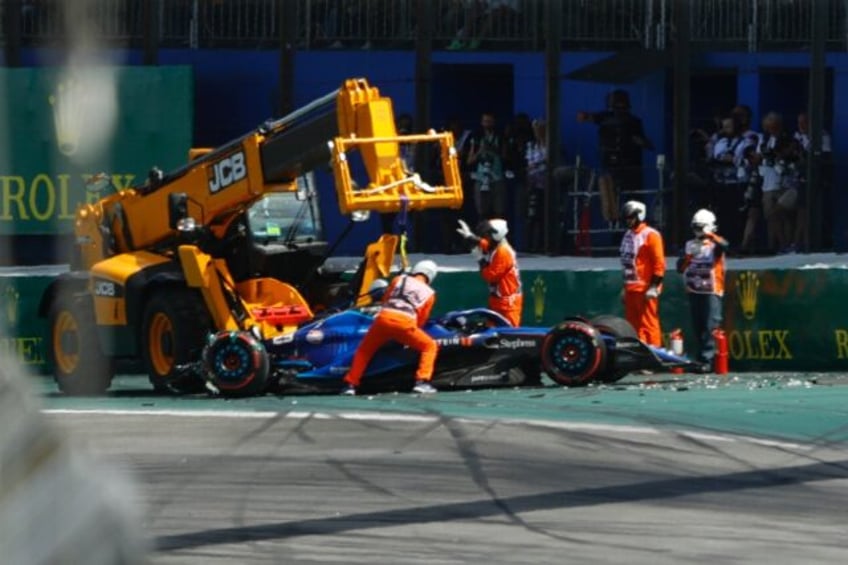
(721, 360)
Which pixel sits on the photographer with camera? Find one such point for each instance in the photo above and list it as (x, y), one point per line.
(485, 159)
(729, 176)
(752, 205)
(536, 157)
(778, 169)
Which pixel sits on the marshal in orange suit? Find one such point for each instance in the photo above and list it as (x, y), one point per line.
(407, 303)
(643, 263)
(498, 267)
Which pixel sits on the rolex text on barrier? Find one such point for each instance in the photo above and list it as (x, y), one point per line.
(62, 126)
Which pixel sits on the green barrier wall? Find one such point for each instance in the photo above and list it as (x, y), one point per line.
(776, 320)
(60, 126)
(22, 332)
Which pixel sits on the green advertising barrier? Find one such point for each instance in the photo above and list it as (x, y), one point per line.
(776, 320)
(22, 332)
(59, 126)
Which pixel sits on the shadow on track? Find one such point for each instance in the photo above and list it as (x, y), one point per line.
(635, 492)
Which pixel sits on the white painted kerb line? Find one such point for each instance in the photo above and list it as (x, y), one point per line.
(612, 429)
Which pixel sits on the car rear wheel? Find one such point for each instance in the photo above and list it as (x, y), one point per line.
(79, 365)
(616, 327)
(572, 353)
(236, 363)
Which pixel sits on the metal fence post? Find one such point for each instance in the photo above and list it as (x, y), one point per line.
(553, 39)
(682, 74)
(648, 43)
(12, 22)
(151, 32)
(753, 29)
(193, 25)
(845, 22)
(816, 103)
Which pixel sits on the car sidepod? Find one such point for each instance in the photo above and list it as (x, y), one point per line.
(502, 356)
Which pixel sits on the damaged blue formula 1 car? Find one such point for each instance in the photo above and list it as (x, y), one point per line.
(478, 348)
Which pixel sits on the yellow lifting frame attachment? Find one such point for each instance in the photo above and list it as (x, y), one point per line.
(393, 181)
(367, 124)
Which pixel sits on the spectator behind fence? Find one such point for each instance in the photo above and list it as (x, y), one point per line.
(752, 205)
(622, 139)
(729, 181)
(793, 197)
(743, 115)
(537, 165)
(485, 159)
(772, 167)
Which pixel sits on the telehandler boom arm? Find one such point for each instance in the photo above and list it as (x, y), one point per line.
(221, 183)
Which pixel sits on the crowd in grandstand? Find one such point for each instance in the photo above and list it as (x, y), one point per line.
(756, 180)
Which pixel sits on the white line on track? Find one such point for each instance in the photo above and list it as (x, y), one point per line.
(390, 417)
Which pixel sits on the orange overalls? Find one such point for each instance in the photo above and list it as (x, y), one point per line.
(406, 306)
(642, 258)
(500, 271)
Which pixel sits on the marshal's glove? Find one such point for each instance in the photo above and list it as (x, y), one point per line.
(465, 232)
(654, 288)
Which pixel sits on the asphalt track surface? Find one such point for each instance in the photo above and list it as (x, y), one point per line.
(656, 469)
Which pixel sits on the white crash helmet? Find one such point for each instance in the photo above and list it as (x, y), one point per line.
(496, 229)
(377, 288)
(427, 268)
(704, 221)
(634, 208)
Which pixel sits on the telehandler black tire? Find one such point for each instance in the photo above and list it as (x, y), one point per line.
(173, 333)
(79, 366)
